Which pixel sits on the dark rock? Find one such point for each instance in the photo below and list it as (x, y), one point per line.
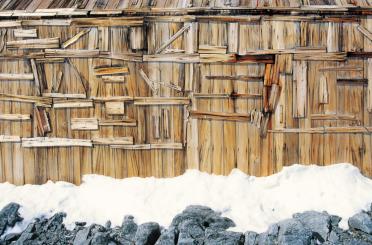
(77, 223)
(361, 221)
(222, 237)
(190, 231)
(108, 224)
(250, 238)
(317, 222)
(9, 216)
(168, 237)
(147, 233)
(81, 237)
(101, 238)
(293, 232)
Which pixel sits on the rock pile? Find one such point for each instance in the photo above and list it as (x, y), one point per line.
(195, 225)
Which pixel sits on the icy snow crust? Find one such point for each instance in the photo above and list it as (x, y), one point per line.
(253, 203)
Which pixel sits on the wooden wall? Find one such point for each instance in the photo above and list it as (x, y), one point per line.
(204, 104)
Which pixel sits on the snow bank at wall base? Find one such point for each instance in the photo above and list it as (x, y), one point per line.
(253, 203)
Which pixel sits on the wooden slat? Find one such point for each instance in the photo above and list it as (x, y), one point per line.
(209, 49)
(111, 71)
(16, 76)
(10, 139)
(73, 104)
(220, 116)
(161, 101)
(113, 141)
(22, 33)
(114, 108)
(75, 38)
(54, 142)
(43, 43)
(84, 124)
(15, 117)
(172, 39)
(365, 32)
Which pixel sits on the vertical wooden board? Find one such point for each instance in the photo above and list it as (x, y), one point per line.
(333, 40)
(229, 128)
(266, 42)
(29, 167)
(134, 165)
(300, 75)
(352, 39)
(367, 155)
(52, 163)
(232, 37)
(343, 150)
(98, 159)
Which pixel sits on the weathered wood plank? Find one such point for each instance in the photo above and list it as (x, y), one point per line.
(54, 142)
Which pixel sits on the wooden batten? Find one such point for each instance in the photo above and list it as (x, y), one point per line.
(84, 123)
(331, 56)
(10, 139)
(132, 147)
(235, 78)
(333, 117)
(148, 81)
(156, 126)
(220, 116)
(16, 76)
(107, 21)
(300, 78)
(66, 96)
(73, 103)
(25, 33)
(177, 58)
(217, 58)
(117, 122)
(114, 108)
(39, 101)
(101, 71)
(113, 141)
(54, 142)
(365, 32)
(71, 53)
(15, 117)
(165, 146)
(44, 43)
(142, 101)
(113, 79)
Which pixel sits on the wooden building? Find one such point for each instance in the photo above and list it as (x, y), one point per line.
(152, 88)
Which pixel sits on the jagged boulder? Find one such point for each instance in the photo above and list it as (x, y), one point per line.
(147, 234)
(362, 222)
(9, 216)
(222, 237)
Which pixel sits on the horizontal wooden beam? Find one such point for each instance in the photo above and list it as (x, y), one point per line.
(84, 124)
(25, 33)
(71, 53)
(44, 43)
(118, 122)
(111, 21)
(39, 101)
(176, 57)
(10, 139)
(67, 96)
(16, 76)
(164, 146)
(73, 103)
(113, 141)
(75, 38)
(143, 101)
(54, 142)
(334, 56)
(110, 71)
(220, 116)
(333, 117)
(15, 117)
(112, 98)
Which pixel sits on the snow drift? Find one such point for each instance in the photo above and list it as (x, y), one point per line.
(253, 203)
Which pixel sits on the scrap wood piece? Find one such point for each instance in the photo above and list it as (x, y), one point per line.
(39, 101)
(114, 108)
(71, 53)
(42, 43)
(15, 117)
(174, 57)
(172, 38)
(128, 122)
(84, 123)
(128, 140)
(67, 96)
(220, 115)
(143, 101)
(167, 146)
(22, 33)
(35, 72)
(340, 68)
(10, 139)
(351, 81)
(232, 95)
(329, 56)
(100, 71)
(112, 98)
(148, 81)
(113, 79)
(107, 21)
(75, 38)
(132, 147)
(42, 121)
(243, 78)
(365, 32)
(73, 103)
(16, 76)
(334, 117)
(54, 142)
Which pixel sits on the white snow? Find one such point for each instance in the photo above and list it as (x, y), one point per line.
(252, 202)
